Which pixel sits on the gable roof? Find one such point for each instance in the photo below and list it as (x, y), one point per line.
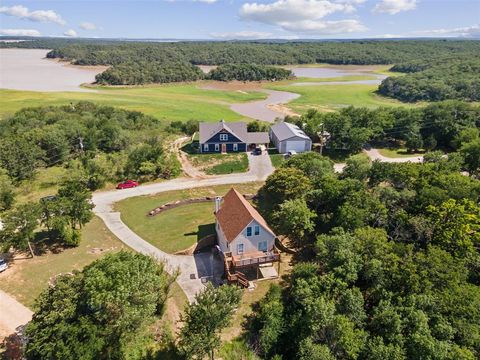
(284, 130)
(208, 130)
(236, 213)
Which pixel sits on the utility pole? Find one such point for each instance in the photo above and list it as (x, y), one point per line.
(324, 136)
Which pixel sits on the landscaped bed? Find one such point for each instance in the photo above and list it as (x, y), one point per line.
(178, 228)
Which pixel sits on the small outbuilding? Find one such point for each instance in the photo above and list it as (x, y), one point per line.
(289, 137)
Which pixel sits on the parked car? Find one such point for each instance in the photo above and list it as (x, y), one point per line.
(257, 151)
(290, 153)
(3, 265)
(127, 184)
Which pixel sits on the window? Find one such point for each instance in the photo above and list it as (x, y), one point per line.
(249, 231)
(235, 147)
(217, 147)
(223, 137)
(257, 230)
(205, 147)
(262, 246)
(240, 249)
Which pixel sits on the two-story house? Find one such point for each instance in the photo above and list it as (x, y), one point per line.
(243, 235)
(229, 137)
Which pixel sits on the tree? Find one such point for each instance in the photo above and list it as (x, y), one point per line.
(313, 165)
(295, 220)
(285, 184)
(7, 191)
(456, 226)
(358, 167)
(75, 201)
(98, 312)
(19, 225)
(205, 318)
(19, 157)
(471, 155)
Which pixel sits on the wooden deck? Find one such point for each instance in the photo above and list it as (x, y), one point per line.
(255, 258)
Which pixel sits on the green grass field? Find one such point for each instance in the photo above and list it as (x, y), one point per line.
(166, 102)
(26, 278)
(333, 97)
(179, 228)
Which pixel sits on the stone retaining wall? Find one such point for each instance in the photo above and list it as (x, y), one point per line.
(177, 203)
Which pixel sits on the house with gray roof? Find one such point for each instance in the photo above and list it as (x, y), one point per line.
(289, 137)
(229, 137)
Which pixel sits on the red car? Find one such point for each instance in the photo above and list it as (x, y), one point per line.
(127, 184)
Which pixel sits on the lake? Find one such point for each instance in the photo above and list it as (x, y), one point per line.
(28, 69)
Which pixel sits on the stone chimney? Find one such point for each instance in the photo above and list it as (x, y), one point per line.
(218, 201)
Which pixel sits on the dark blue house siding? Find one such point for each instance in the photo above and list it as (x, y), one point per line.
(242, 147)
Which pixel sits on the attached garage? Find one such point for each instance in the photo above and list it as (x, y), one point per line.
(287, 137)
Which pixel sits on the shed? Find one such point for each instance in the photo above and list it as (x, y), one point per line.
(288, 137)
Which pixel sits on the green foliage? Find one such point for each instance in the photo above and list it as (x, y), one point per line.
(99, 312)
(19, 225)
(7, 191)
(471, 155)
(204, 319)
(295, 220)
(248, 72)
(443, 79)
(146, 72)
(358, 167)
(75, 202)
(47, 136)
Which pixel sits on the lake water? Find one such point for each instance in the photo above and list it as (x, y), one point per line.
(28, 69)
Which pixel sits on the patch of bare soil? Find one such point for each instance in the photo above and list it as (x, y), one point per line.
(282, 108)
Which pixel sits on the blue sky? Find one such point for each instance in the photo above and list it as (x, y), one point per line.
(229, 19)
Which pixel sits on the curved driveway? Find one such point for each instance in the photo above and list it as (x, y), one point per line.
(191, 268)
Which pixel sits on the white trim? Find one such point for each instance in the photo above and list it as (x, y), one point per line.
(223, 137)
(205, 147)
(217, 147)
(242, 246)
(235, 147)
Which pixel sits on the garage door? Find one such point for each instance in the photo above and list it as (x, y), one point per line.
(298, 146)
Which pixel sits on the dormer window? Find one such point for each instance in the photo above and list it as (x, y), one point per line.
(223, 137)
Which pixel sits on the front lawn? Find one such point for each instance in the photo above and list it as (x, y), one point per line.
(178, 228)
(216, 164)
(277, 160)
(26, 278)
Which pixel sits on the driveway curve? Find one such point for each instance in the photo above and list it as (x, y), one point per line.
(190, 269)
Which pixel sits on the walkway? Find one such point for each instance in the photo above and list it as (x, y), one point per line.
(374, 154)
(13, 315)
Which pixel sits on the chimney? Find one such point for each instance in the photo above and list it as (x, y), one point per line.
(218, 201)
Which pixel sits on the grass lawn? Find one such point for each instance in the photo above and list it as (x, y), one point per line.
(26, 278)
(277, 159)
(165, 102)
(179, 228)
(398, 153)
(333, 97)
(216, 164)
(334, 79)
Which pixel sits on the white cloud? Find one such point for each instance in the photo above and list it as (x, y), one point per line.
(304, 16)
(19, 32)
(88, 26)
(393, 7)
(242, 35)
(467, 31)
(70, 33)
(22, 12)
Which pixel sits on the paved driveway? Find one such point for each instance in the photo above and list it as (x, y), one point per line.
(13, 315)
(191, 268)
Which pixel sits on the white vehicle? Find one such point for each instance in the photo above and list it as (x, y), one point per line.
(3, 265)
(290, 153)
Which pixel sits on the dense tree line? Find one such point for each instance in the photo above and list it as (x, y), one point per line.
(388, 264)
(145, 72)
(74, 135)
(449, 126)
(158, 60)
(248, 72)
(435, 81)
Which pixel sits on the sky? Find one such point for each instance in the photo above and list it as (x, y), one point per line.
(241, 19)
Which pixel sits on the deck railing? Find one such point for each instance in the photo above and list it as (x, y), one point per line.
(254, 259)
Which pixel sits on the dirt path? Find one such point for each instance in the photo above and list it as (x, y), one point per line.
(12, 315)
(188, 169)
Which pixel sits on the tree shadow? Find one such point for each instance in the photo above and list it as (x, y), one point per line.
(203, 231)
(45, 241)
(191, 148)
